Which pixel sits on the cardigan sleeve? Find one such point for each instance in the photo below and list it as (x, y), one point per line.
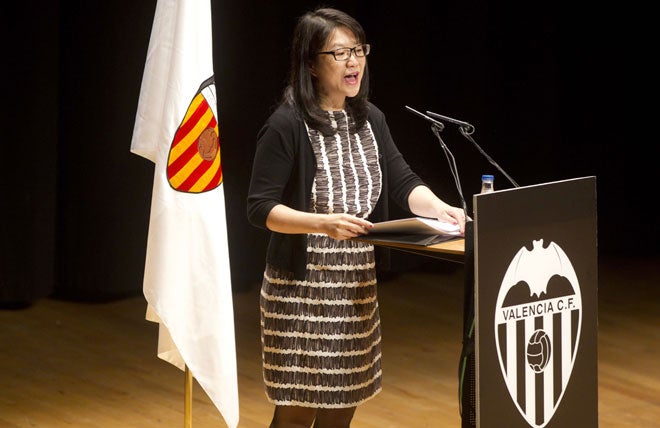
(274, 160)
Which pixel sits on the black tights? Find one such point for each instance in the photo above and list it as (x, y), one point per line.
(303, 417)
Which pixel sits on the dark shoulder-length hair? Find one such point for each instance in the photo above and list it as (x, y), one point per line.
(309, 36)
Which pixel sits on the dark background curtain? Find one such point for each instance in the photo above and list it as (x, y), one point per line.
(547, 86)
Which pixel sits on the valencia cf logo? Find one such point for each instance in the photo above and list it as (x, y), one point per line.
(538, 318)
(193, 164)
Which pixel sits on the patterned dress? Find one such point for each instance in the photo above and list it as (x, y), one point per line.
(321, 336)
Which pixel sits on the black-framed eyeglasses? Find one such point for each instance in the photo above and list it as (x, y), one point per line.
(342, 54)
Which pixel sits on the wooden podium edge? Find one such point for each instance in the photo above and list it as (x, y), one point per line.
(452, 250)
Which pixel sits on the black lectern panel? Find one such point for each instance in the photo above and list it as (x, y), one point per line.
(535, 256)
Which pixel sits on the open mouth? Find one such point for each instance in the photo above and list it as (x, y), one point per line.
(352, 78)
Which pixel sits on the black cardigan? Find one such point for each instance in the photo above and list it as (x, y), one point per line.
(283, 172)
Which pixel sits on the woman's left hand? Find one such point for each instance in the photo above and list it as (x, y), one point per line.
(425, 203)
(453, 215)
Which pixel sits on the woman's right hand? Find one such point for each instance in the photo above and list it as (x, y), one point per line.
(344, 226)
(283, 219)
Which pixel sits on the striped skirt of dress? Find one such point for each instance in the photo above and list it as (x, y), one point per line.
(321, 336)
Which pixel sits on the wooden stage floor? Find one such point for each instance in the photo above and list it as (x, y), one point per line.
(67, 364)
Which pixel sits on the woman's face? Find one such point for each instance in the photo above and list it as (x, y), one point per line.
(338, 79)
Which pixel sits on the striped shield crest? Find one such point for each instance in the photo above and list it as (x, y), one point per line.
(538, 318)
(193, 164)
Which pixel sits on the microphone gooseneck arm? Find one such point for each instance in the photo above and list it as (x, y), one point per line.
(436, 128)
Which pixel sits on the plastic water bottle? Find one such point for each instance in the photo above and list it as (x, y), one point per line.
(487, 183)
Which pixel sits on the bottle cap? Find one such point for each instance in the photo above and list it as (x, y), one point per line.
(487, 177)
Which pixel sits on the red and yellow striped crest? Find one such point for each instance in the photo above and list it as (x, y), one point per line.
(193, 165)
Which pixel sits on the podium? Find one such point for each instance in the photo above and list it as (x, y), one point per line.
(530, 318)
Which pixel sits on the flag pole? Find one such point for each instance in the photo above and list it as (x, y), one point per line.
(187, 399)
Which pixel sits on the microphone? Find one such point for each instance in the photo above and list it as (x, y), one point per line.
(433, 121)
(465, 127)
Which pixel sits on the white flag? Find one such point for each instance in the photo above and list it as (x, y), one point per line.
(187, 281)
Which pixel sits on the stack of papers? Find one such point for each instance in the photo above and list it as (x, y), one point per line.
(417, 225)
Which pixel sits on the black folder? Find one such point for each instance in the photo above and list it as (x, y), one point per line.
(414, 230)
